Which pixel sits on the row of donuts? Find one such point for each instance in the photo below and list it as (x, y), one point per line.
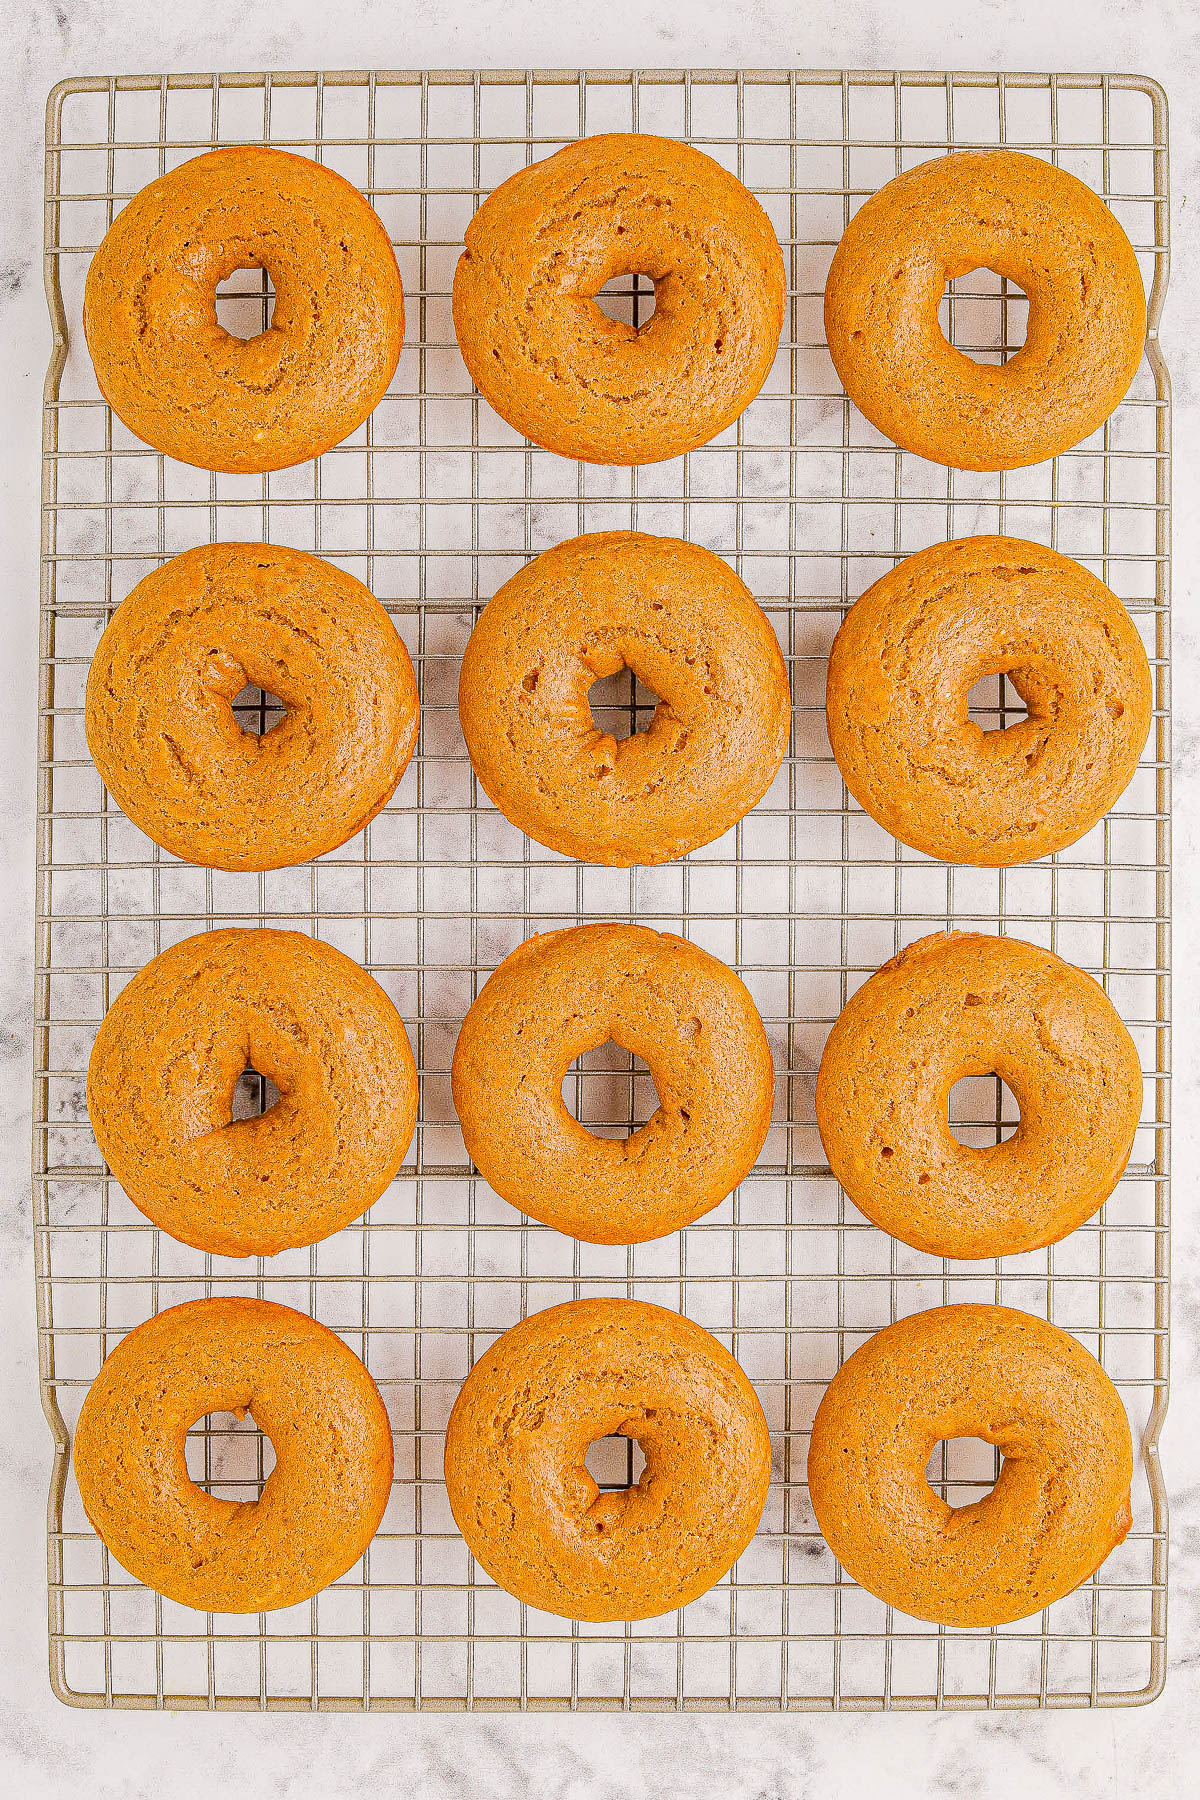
(164, 735)
(532, 1513)
(174, 1042)
(551, 362)
(595, 1515)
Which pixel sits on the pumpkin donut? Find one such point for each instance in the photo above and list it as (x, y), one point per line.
(1027, 221)
(961, 1004)
(1060, 1502)
(689, 629)
(690, 1018)
(184, 384)
(178, 651)
(166, 1064)
(901, 670)
(551, 363)
(322, 1502)
(520, 1490)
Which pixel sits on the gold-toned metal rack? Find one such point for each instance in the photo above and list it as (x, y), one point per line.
(433, 503)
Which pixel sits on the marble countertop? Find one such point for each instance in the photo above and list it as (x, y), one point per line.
(48, 1750)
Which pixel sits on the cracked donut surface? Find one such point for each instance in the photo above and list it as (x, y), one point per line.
(1037, 226)
(165, 1067)
(1061, 1501)
(897, 696)
(307, 1392)
(522, 1495)
(689, 629)
(963, 1004)
(685, 1013)
(170, 370)
(553, 364)
(169, 747)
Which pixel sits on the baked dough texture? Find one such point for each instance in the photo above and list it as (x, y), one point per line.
(322, 1502)
(169, 747)
(522, 1495)
(900, 675)
(961, 1004)
(691, 632)
(166, 1064)
(1026, 220)
(685, 1013)
(1061, 1501)
(185, 385)
(554, 365)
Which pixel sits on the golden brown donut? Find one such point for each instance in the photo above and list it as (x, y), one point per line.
(903, 665)
(166, 1063)
(521, 1493)
(545, 356)
(962, 1004)
(1025, 220)
(1061, 1501)
(178, 651)
(665, 1000)
(323, 1500)
(187, 386)
(691, 632)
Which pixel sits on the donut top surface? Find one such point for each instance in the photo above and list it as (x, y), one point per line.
(553, 364)
(182, 646)
(164, 1072)
(171, 371)
(965, 1004)
(308, 1393)
(1061, 1501)
(1028, 221)
(900, 675)
(687, 626)
(562, 993)
(525, 1501)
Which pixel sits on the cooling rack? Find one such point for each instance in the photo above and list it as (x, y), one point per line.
(433, 503)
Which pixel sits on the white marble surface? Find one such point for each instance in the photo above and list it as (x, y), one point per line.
(48, 1750)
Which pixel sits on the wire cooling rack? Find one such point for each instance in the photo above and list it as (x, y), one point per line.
(433, 504)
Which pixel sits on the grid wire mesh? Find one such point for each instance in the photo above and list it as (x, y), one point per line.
(433, 503)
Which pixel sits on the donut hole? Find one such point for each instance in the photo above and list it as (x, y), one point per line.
(621, 705)
(982, 1111)
(228, 1457)
(628, 298)
(610, 1091)
(984, 316)
(963, 1470)
(245, 303)
(257, 710)
(615, 1463)
(994, 703)
(253, 1094)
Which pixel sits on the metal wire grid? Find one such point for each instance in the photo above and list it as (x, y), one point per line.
(434, 503)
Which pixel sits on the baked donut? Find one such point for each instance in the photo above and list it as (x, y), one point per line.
(1029, 222)
(166, 1064)
(690, 630)
(901, 670)
(169, 748)
(520, 1490)
(177, 378)
(310, 1395)
(551, 363)
(962, 1004)
(657, 996)
(1060, 1502)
